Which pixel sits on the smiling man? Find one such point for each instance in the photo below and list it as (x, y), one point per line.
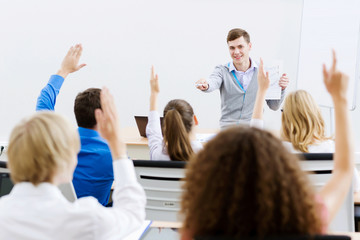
(237, 81)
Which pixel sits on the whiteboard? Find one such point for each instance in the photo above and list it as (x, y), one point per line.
(183, 39)
(329, 25)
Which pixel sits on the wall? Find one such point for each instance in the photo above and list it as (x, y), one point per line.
(122, 39)
(185, 40)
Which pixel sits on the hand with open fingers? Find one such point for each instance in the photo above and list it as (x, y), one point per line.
(202, 84)
(335, 81)
(70, 62)
(263, 77)
(154, 81)
(284, 81)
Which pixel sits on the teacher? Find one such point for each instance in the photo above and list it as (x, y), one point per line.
(237, 81)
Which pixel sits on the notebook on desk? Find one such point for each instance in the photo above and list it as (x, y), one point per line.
(141, 122)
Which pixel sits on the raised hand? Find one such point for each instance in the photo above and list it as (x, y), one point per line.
(70, 62)
(154, 81)
(202, 84)
(335, 81)
(263, 78)
(108, 124)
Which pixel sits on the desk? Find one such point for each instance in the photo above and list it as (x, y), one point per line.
(177, 225)
(137, 146)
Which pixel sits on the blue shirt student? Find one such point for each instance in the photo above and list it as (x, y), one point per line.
(93, 175)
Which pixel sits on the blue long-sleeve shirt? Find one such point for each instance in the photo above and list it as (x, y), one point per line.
(93, 175)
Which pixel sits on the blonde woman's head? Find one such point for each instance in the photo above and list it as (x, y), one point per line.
(43, 148)
(302, 123)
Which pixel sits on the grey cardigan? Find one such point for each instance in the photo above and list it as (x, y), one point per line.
(236, 105)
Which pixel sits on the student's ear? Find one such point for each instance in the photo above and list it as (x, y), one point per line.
(250, 45)
(195, 120)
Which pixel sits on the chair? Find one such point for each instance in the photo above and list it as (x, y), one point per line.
(3, 167)
(320, 166)
(162, 182)
(295, 237)
(5, 184)
(67, 189)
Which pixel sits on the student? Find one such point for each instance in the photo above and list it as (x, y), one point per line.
(245, 183)
(41, 155)
(93, 175)
(303, 127)
(178, 125)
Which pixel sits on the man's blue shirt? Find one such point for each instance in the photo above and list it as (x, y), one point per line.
(93, 175)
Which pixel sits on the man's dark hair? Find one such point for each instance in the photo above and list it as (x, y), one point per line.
(85, 104)
(237, 33)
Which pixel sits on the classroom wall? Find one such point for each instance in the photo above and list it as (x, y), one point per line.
(184, 40)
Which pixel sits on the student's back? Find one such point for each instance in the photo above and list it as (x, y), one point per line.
(176, 141)
(41, 155)
(94, 173)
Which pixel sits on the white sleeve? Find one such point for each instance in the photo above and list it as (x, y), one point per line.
(154, 135)
(128, 211)
(258, 123)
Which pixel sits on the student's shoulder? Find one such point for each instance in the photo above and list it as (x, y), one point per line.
(196, 146)
(327, 146)
(86, 203)
(290, 147)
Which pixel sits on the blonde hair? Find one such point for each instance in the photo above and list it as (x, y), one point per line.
(302, 123)
(42, 146)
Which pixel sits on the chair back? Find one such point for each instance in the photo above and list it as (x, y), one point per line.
(5, 183)
(162, 181)
(67, 189)
(293, 237)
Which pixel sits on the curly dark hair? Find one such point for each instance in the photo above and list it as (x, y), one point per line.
(245, 183)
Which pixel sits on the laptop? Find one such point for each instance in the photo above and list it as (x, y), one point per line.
(141, 122)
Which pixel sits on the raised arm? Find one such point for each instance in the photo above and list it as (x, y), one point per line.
(337, 188)
(128, 211)
(154, 86)
(153, 128)
(263, 85)
(70, 64)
